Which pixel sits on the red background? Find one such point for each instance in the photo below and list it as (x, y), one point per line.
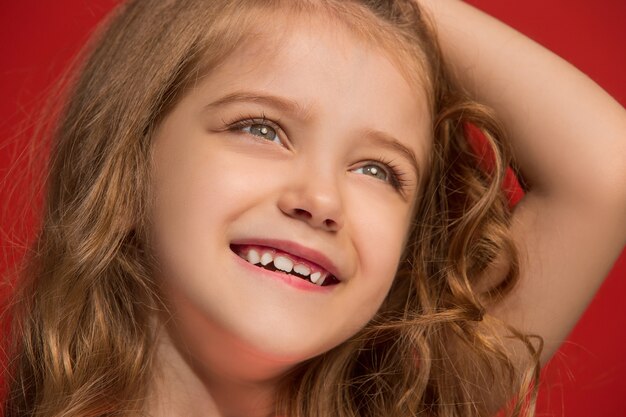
(587, 377)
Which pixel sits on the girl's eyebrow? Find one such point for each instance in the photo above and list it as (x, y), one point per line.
(283, 104)
(387, 141)
(294, 108)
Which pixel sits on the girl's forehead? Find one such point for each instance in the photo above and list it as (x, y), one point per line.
(266, 32)
(301, 49)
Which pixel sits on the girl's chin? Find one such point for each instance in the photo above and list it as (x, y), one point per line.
(243, 355)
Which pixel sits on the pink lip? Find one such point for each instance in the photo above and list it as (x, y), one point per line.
(296, 249)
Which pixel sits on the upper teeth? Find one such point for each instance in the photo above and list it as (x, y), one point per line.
(285, 264)
(315, 277)
(282, 263)
(253, 257)
(266, 258)
(301, 269)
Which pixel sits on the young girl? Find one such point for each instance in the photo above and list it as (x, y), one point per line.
(280, 208)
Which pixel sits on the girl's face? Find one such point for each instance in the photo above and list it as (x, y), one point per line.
(311, 149)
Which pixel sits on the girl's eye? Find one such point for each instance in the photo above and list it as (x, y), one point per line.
(262, 131)
(259, 127)
(386, 171)
(375, 171)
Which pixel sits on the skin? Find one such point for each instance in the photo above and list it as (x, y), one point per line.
(234, 331)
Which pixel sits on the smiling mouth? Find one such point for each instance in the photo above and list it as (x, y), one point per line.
(272, 259)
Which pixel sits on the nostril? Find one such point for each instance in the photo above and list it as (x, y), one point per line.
(330, 224)
(302, 213)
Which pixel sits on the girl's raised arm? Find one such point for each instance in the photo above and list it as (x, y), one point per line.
(569, 138)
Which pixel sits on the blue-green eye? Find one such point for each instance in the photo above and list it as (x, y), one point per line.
(384, 170)
(259, 127)
(374, 170)
(263, 131)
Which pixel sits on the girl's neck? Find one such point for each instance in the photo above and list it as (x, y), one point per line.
(184, 388)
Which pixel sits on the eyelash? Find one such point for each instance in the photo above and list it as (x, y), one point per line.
(248, 120)
(396, 175)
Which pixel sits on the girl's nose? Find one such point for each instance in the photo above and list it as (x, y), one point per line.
(315, 202)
